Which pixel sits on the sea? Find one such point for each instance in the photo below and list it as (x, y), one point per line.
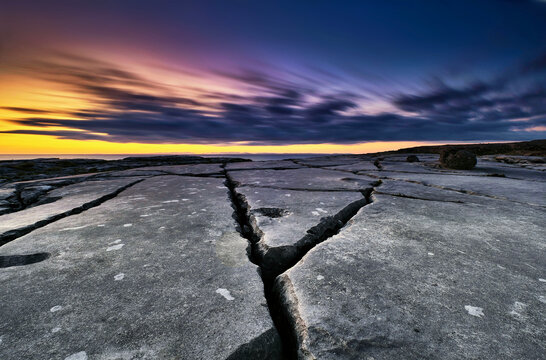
(254, 157)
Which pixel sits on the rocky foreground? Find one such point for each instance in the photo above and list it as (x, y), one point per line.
(341, 257)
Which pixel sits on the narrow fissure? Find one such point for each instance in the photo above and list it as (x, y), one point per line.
(298, 189)
(36, 196)
(271, 268)
(461, 191)
(325, 167)
(11, 235)
(418, 198)
(266, 168)
(17, 202)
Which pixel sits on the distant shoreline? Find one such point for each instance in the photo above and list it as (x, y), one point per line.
(12, 170)
(529, 148)
(253, 157)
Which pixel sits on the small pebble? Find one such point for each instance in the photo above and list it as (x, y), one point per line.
(474, 310)
(119, 277)
(225, 293)
(114, 247)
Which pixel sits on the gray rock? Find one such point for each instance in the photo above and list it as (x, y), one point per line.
(17, 170)
(288, 223)
(422, 192)
(128, 173)
(457, 159)
(521, 191)
(484, 167)
(270, 164)
(6, 191)
(412, 158)
(198, 169)
(403, 157)
(415, 167)
(303, 179)
(366, 165)
(417, 279)
(331, 160)
(488, 167)
(444, 264)
(58, 202)
(159, 272)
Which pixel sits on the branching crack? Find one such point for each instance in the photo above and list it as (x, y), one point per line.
(275, 261)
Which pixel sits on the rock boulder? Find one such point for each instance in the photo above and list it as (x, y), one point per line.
(457, 159)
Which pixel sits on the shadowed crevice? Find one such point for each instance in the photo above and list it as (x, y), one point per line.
(271, 212)
(273, 262)
(20, 260)
(267, 346)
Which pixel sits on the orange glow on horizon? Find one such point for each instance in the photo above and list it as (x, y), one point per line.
(45, 144)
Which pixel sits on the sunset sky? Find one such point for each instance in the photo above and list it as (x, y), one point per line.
(116, 76)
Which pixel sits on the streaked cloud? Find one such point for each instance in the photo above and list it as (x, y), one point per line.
(129, 108)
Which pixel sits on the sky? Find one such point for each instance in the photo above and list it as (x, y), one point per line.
(306, 76)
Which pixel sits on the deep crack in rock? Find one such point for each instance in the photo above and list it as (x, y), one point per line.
(271, 212)
(273, 262)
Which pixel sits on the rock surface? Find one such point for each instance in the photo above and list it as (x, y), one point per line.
(157, 272)
(435, 280)
(270, 164)
(518, 191)
(310, 179)
(59, 203)
(18, 170)
(335, 257)
(288, 222)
